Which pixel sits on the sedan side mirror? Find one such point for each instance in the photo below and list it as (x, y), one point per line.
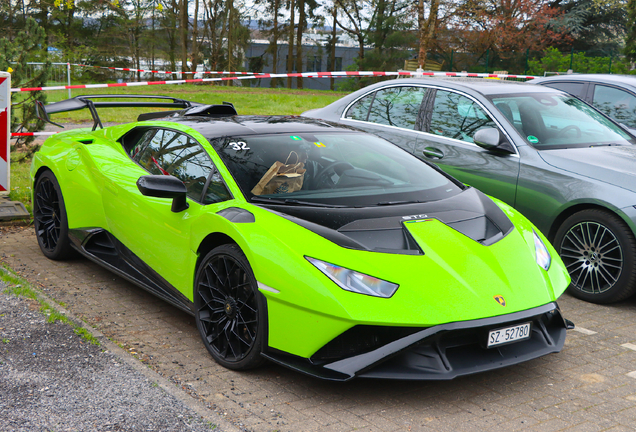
(164, 186)
(631, 131)
(492, 139)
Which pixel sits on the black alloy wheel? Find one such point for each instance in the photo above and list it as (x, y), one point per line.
(49, 218)
(230, 311)
(599, 252)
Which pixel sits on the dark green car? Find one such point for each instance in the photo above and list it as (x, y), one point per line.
(566, 166)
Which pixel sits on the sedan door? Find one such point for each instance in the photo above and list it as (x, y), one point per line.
(449, 122)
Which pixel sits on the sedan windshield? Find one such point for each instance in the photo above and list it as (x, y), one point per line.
(333, 169)
(551, 120)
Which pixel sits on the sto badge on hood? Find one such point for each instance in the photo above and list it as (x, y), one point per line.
(499, 299)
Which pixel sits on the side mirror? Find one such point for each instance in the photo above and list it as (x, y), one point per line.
(492, 139)
(628, 129)
(163, 186)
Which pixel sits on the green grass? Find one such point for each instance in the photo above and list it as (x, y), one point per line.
(20, 287)
(247, 100)
(20, 187)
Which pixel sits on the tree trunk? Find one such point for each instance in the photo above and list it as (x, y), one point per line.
(290, 45)
(69, 29)
(152, 45)
(427, 30)
(212, 14)
(10, 35)
(299, 42)
(183, 24)
(43, 18)
(172, 37)
(230, 45)
(332, 54)
(195, 37)
(274, 81)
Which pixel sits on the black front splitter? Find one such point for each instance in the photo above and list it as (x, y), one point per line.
(445, 351)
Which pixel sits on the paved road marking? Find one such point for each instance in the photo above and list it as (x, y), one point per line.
(584, 330)
(629, 346)
(632, 374)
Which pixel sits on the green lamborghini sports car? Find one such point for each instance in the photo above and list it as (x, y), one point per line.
(311, 244)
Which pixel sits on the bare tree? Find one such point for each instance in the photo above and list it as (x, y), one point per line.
(215, 17)
(290, 49)
(355, 21)
(183, 29)
(332, 42)
(299, 41)
(195, 39)
(426, 29)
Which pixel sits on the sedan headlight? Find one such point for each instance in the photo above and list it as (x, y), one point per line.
(353, 281)
(541, 252)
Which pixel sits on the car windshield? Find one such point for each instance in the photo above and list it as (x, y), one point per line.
(549, 121)
(332, 169)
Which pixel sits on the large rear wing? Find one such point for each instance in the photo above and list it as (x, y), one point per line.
(178, 107)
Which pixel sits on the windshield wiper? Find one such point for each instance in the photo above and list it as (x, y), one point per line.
(607, 145)
(387, 203)
(290, 201)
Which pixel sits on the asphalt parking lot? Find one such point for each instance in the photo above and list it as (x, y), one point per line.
(589, 386)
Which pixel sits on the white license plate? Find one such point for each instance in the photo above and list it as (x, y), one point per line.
(508, 335)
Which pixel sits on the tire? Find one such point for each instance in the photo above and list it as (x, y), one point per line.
(599, 251)
(50, 219)
(230, 312)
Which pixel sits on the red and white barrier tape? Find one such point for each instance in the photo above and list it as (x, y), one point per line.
(259, 76)
(26, 134)
(162, 72)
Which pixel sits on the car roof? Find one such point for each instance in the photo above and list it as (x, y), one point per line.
(256, 125)
(481, 86)
(602, 78)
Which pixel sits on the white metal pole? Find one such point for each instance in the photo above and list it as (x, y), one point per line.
(68, 74)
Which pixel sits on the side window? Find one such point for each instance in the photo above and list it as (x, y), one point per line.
(456, 116)
(216, 191)
(575, 89)
(618, 104)
(397, 106)
(172, 153)
(135, 141)
(360, 109)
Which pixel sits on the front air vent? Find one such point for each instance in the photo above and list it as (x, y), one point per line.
(481, 229)
(361, 339)
(100, 245)
(392, 240)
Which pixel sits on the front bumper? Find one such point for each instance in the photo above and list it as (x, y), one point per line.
(442, 352)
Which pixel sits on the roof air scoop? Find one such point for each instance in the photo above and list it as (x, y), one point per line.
(213, 111)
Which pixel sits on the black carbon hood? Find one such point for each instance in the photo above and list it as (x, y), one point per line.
(381, 228)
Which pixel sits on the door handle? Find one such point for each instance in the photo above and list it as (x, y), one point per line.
(433, 153)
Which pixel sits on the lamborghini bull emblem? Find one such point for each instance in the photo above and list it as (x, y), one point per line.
(499, 299)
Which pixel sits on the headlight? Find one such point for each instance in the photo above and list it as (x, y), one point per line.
(353, 281)
(541, 252)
